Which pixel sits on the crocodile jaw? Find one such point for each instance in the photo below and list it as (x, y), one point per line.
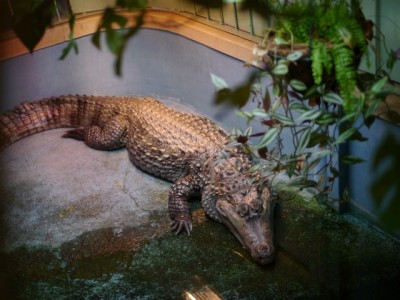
(255, 234)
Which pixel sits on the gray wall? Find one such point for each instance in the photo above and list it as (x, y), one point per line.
(156, 63)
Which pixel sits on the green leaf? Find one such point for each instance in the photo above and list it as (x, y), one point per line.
(310, 115)
(283, 119)
(291, 167)
(276, 90)
(238, 96)
(311, 164)
(377, 87)
(248, 115)
(218, 82)
(326, 118)
(361, 102)
(248, 131)
(131, 32)
(312, 92)
(371, 109)
(333, 98)
(115, 41)
(110, 17)
(71, 43)
(297, 85)
(96, 39)
(318, 138)
(259, 112)
(31, 19)
(280, 41)
(321, 153)
(304, 140)
(357, 136)
(345, 136)
(299, 107)
(280, 69)
(240, 114)
(386, 92)
(241, 94)
(369, 121)
(349, 117)
(391, 59)
(236, 131)
(268, 137)
(351, 159)
(334, 171)
(294, 55)
(302, 182)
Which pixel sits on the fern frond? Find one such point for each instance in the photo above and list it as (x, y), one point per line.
(345, 75)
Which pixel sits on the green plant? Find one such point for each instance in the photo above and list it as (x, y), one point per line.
(306, 118)
(313, 119)
(333, 34)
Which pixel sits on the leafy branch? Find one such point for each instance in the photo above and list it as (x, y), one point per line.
(32, 18)
(116, 40)
(313, 118)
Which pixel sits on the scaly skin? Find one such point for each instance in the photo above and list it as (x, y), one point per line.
(189, 150)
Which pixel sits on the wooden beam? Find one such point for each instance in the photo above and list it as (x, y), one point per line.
(215, 38)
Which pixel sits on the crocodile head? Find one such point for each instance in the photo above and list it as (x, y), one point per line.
(248, 214)
(241, 200)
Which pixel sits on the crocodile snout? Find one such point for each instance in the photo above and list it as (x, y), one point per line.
(263, 253)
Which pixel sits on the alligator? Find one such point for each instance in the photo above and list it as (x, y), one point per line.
(189, 150)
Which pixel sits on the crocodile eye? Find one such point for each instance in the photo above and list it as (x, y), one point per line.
(229, 173)
(256, 206)
(242, 209)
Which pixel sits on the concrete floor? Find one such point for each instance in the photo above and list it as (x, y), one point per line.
(57, 189)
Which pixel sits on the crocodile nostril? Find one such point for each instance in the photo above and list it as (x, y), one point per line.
(264, 250)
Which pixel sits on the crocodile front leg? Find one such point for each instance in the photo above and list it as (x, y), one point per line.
(108, 137)
(178, 205)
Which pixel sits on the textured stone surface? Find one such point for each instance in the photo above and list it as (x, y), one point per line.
(84, 224)
(55, 189)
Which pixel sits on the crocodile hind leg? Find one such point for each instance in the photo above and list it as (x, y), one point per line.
(111, 136)
(178, 205)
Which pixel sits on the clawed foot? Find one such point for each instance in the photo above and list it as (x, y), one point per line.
(76, 134)
(181, 223)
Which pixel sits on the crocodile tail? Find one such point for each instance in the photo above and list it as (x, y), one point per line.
(31, 117)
